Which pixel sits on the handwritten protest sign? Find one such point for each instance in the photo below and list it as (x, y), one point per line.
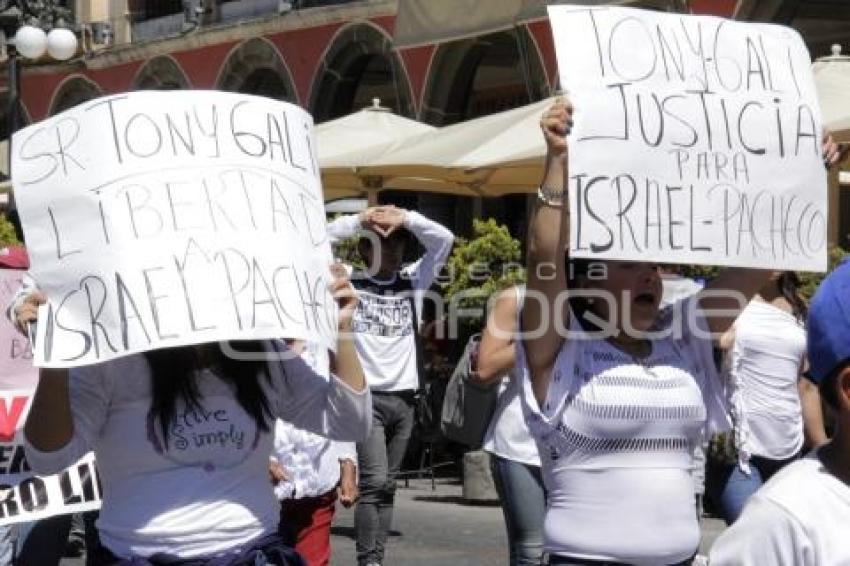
(696, 139)
(158, 219)
(26, 497)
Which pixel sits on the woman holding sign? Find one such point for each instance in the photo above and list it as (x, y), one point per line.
(183, 435)
(618, 394)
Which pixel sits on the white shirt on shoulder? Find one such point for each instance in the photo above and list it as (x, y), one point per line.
(799, 517)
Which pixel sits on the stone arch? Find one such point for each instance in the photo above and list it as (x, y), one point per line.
(161, 73)
(481, 75)
(256, 67)
(359, 65)
(74, 90)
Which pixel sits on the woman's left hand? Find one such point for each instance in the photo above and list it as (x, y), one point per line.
(832, 152)
(347, 490)
(344, 294)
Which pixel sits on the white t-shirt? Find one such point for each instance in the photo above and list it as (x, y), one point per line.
(384, 324)
(311, 461)
(798, 518)
(206, 490)
(763, 370)
(616, 439)
(507, 435)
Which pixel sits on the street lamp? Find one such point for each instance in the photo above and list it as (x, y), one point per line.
(22, 34)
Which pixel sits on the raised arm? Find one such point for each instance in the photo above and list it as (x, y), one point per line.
(496, 352)
(50, 425)
(437, 241)
(347, 226)
(547, 247)
(725, 297)
(346, 363)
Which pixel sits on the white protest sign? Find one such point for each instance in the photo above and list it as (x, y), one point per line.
(25, 497)
(159, 219)
(696, 140)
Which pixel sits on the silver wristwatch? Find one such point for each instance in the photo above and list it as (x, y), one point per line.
(550, 197)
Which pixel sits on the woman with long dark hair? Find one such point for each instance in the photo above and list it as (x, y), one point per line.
(183, 435)
(773, 405)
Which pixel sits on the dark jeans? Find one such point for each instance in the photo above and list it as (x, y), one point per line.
(567, 561)
(379, 459)
(267, 551)
(42, 543)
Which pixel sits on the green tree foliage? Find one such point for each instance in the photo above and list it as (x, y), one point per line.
(479, 267)
(7, 232)
(346, 250)
(809, 281)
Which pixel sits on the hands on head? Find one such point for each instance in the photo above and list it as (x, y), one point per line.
(384, 220)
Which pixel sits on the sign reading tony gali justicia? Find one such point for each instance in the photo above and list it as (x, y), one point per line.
(696, 139)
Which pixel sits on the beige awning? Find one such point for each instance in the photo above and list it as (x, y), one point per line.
(346, 144)
(424, 22)
(421, 22)
(832, 81)
(536, 9)
(494, 155)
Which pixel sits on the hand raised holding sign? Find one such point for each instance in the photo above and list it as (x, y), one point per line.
(832, 151)
(27, 311)
(345, 363)
(345, 296)
(556, 124)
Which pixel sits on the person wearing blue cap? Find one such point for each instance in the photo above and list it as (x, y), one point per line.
(801, 516)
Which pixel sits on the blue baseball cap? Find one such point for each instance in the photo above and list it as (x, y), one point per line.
(829, 324)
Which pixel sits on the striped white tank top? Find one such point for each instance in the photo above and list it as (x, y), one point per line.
(616, 437)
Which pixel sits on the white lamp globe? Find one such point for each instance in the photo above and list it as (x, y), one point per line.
(31, 42)
(61, 44)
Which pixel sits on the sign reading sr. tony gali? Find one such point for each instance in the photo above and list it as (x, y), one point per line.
(159, 219)
(696, 139)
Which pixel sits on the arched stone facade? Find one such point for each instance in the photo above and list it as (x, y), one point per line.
(256, 67)
(161, 73)
(74, 90)
(359, 65)
(478, 76)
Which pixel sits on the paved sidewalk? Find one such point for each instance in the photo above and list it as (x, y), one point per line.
(432, 528)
